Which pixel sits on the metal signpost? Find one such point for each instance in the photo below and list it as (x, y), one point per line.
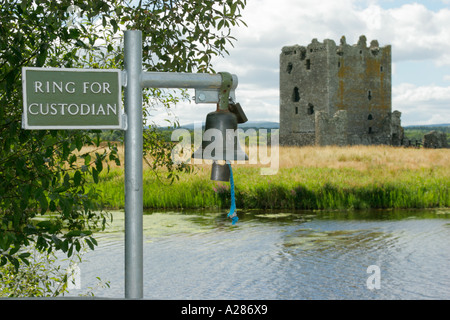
(91, 99)
(206, 91)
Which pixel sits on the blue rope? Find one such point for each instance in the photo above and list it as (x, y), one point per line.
(232, 214)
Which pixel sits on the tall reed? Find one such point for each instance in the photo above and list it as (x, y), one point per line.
(308, 178)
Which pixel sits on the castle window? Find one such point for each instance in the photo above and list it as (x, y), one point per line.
(370, 130)
(296, 95)
(369, 95)
(381, 68)
(289, 68)
(296, 110)
(310, 109)
(339, 64)
(370, 117)
(308, 64)
(302, 55)
(360, 51)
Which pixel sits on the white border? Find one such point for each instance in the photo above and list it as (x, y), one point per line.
(120, 126)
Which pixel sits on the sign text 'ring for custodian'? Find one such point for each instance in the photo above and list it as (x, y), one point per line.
(72, 98)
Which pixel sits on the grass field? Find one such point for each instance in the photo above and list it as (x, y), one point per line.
(308, 178)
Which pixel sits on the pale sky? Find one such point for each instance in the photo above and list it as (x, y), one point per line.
(419, 33)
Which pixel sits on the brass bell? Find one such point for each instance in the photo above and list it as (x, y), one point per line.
(220, 139)
(220, 172)
(220, 142)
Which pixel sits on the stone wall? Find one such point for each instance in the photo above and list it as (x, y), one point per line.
(331, 130)
(361, 84)
(319, 80)
(435, 139)
(303, 91)
(397, 134)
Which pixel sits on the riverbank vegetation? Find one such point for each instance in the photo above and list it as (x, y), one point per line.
(47, 198)
(309, 178)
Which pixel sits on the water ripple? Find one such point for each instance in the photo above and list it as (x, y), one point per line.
(201, 256)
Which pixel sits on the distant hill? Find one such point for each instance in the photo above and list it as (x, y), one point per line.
(428, 126)
(417, 132)
(248, 124)
(260, 125)
(276, 125)
(445, 127)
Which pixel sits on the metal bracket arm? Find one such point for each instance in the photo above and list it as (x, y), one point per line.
(206, 85)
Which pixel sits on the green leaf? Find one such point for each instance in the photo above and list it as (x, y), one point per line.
(73, 233)
(90, 244)
(3, 261)
(46, 224)
(43, 203)
(87, 159)
(77, 178)
(24, 255)
(14, 250)
(114, 24)
(50, 141)
(52, 206)
(220, 25)
(94, 241)
(4, 241)
(65, 245)
(95, 175)
(67, 180)
(15, 262)
(99, 163)
(72, 159)
(40, 60)
(79, 143)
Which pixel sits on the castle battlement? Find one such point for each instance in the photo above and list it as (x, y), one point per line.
(327, 78)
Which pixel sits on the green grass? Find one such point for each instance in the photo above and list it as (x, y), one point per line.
(291, 188)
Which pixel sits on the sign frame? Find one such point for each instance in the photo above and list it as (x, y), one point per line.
(121, 116)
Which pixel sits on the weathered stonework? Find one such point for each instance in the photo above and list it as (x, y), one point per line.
(346, 88)
(331, 130)
(435, 139)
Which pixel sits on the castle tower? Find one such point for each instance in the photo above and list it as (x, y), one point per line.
(324, 78)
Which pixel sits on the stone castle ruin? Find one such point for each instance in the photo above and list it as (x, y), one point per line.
(337, 95)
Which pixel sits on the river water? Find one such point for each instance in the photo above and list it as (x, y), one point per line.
(280, 256)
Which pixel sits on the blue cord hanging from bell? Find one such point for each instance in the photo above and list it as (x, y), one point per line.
(232, 214)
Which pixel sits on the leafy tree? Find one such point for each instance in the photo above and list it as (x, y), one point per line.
(43, 171)
(179, 36)
(46, 195)
(43, 276)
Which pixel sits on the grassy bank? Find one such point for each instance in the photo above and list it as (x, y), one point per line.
(308, 178)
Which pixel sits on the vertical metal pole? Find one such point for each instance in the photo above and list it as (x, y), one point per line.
(133, 166)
